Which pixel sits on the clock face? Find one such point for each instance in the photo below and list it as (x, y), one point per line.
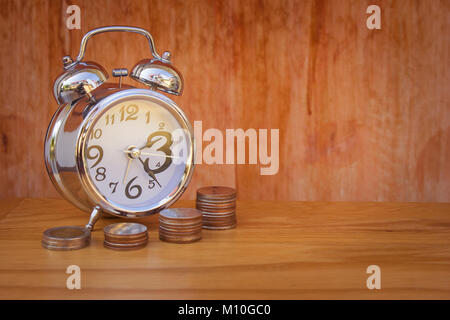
(137, 152)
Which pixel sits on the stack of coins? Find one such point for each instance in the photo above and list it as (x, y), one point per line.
(180, 225)
(218, 207)
(125, 236)
(66, 238)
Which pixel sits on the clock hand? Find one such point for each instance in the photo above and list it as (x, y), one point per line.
(132, 153)
(153, 154)
(126, 172)
(159, 155)
(149, 172)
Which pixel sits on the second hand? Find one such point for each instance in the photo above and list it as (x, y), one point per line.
(155, 154)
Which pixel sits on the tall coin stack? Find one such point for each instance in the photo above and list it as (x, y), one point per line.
(180, 225)
(125, 236)
(218, 207)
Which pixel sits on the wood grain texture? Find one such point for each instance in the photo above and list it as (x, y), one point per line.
(7, 205)
(363, 115)
(280, 250)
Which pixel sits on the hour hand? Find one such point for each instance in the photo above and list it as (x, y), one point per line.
(149, 172)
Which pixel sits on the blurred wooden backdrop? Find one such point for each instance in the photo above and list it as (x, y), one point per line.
(363, 114)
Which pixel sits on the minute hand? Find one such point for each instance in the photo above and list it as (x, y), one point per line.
(155, 154)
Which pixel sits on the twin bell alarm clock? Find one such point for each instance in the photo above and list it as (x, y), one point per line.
(116, 149)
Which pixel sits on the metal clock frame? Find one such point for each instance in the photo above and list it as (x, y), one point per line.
(71, 178)
(83, 96)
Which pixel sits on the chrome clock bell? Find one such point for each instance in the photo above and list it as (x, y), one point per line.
(115, 148)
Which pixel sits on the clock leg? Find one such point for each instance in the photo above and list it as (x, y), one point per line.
(95, 215)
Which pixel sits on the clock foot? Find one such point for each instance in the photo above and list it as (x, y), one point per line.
(95, 215)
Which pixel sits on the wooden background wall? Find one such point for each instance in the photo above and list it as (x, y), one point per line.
(363, 114)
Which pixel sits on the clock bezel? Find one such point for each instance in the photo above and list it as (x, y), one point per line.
(97, 110)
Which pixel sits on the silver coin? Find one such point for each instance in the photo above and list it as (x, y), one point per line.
(215, 208)
(66, 238)
(219, 228)
(124, 246)
(125, 229)
(216, 192)
(216, 201)
(180, 214)
(182, 239)
(218, 213)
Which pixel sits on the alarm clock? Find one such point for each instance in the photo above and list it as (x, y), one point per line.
(117, 149)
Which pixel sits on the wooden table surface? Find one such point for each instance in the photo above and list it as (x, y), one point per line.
(280, 250)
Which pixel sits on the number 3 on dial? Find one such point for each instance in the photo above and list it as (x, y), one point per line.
(165, 148)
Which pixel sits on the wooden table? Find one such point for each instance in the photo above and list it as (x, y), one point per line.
(280, 250)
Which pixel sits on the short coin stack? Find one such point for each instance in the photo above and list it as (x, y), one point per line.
(66, 238)
(180, 225)
(218, 207)
(125, 236)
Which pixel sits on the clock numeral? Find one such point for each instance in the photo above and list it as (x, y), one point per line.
(130, 187)
(131, 110)
(147, 117)
(164, 148)
(96, 134)
(115, 186)
(109, 118)
(101, 174)
(98, 155)
(151, 184)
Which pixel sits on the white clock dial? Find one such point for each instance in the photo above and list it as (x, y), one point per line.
(136, 154)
